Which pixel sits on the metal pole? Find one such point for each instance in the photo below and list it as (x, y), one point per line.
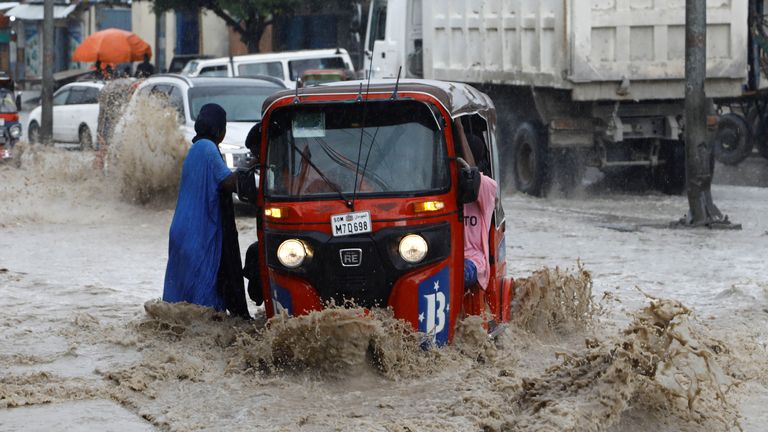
(699, 161)
(46, 95)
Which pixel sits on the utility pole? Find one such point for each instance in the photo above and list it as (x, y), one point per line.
(699, 160)
(46, 96)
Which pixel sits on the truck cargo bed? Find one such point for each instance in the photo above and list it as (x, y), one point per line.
(598, 49)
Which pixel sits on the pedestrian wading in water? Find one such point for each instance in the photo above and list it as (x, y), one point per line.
(204, 265)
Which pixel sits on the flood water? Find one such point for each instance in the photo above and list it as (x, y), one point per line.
(628, 325)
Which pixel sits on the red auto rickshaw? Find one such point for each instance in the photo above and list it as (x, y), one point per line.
(10, 127)
(361, 192)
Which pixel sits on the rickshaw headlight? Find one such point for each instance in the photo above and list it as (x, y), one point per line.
(413, 248)
(291, 253)
(15, 131)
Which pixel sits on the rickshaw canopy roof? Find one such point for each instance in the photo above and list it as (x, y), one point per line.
(457, 98)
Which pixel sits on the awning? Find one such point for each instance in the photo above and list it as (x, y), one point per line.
(34, 12)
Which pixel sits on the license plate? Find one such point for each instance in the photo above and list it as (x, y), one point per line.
(351, 223)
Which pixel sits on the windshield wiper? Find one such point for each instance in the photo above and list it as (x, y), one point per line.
(332, 185)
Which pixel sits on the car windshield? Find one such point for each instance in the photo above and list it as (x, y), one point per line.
(189, 68)
(319, 150)
(242, 103)
(297, 67)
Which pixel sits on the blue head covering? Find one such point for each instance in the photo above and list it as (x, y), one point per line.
(210, 123)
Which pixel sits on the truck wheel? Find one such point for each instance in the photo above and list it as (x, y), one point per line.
(34, 133)
(530, 161)
(568, 167)
(733, 139)
(759, 132)
(760, 138)
(762, 147)
(670, 177)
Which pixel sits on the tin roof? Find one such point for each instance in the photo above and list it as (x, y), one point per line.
(457, 98)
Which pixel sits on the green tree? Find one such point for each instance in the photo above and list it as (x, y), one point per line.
(249, 18)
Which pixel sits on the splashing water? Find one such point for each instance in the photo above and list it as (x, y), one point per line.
(661, 357)
(553, 301)
(147, 151)
(662, 360)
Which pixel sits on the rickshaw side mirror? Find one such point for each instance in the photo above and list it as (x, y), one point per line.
(247, 178)
(253, 140)
(247, 184)
(18, 102)
(469, 182)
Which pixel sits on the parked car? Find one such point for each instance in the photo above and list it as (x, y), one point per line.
(75, 115)
(287, 66)
(180, 61)
(240, 97)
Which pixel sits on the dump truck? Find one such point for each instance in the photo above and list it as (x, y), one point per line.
(576, 83)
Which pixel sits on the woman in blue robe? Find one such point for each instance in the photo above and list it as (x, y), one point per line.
(201, 236)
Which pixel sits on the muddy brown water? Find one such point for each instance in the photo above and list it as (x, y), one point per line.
(614, 330)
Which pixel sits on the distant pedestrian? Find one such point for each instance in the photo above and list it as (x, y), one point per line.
(145, 68)
(97, 72)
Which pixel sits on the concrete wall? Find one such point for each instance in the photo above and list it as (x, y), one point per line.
(215, 35)
(143, 24)
(214, 40)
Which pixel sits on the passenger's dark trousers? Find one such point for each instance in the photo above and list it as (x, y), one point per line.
(251, 272)
(230, 277)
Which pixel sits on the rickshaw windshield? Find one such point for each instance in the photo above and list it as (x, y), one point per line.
(393, 148)
(7, 104)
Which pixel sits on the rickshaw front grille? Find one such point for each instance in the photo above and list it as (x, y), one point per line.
(351, 280)
(369, 281)
(364, 284)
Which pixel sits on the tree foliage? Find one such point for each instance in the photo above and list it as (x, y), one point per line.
(249, 18)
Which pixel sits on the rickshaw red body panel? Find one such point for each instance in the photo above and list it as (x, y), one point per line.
(431, 297)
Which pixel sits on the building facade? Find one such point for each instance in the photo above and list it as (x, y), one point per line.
(180, 33)
(22, 59)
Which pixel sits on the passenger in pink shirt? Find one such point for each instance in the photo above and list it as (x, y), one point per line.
(477, 221)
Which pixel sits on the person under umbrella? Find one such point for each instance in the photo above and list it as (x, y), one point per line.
(145, 68)
(204, 265)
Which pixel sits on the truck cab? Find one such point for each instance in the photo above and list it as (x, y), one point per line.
(394, 39)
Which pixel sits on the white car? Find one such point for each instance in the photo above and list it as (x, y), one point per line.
(241, 98)
(75, 115)
(287, 65)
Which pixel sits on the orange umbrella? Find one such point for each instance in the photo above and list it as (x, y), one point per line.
(112, 46)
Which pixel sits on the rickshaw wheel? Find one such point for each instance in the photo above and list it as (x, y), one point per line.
(34, 133)
(85, 138)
